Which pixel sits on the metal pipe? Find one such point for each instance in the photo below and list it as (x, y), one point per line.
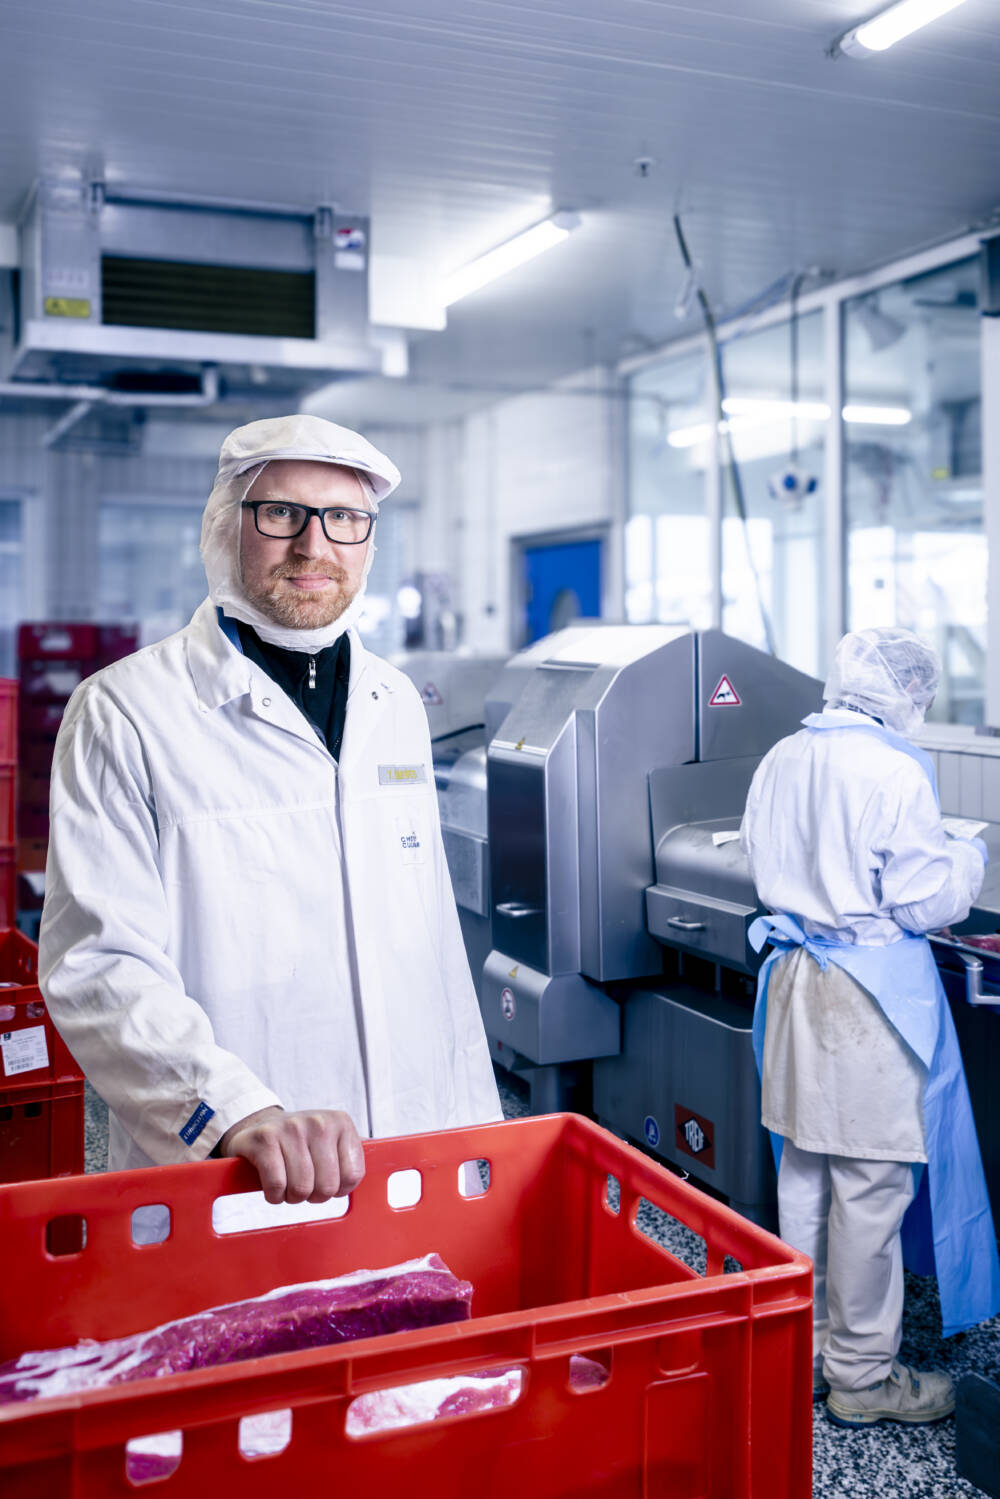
(66, 421)
(86, 397)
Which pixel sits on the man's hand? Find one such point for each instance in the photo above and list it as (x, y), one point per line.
(307, 1156)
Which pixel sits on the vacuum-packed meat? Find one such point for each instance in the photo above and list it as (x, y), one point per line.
(420, 1293)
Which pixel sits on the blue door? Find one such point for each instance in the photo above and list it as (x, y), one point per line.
(562, 582)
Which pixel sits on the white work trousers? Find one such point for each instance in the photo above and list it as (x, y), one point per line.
(846, 1215)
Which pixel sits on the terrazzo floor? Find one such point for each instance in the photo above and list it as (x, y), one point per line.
(886, 1462)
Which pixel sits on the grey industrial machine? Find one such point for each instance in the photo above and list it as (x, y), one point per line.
(453, 689)
(620, 979)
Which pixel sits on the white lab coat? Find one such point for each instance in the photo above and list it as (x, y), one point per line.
(233, 920)
(843, 832)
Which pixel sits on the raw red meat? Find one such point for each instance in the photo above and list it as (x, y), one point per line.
(420, 1293)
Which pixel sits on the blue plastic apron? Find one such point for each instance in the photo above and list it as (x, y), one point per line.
(949, 1226)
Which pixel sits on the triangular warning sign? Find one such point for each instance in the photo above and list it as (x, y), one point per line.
(725, 695)
(431, 696)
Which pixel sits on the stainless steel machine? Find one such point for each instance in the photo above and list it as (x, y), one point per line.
(591, 829)
(453, 688)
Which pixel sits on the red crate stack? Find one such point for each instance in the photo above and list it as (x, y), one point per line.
(55, 656)
(8, 800)
(41, 1087)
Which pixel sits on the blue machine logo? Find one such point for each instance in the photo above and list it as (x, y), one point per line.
(651, 1130)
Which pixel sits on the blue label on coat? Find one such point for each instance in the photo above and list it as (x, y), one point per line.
(190, 1131)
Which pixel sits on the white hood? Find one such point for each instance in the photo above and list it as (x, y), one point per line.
(244, 454)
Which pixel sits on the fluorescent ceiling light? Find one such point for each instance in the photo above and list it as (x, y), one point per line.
(513, 252)
(891, 25)
(747, 412)
(878, 416)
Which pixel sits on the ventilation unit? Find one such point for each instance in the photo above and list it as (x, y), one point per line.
(123, 281)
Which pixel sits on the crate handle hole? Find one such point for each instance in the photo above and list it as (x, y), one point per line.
(65, 1235)
(589, 1371)
(153, 1458)
(474, 1178)
(266, 1434)
(613, 1194)
(246, 1212)
(651, 1222)
(151, 1223)
(33, 1110)
(419, 1404)
(6, 1113)
(404, 1189)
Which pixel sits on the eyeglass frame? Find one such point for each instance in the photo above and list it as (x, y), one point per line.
(310, 510)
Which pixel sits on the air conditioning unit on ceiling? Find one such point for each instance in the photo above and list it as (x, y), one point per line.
(118, 287)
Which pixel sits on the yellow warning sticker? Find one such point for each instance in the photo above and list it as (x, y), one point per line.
(67, 307)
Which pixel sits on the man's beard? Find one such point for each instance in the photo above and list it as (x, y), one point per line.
(306, 611)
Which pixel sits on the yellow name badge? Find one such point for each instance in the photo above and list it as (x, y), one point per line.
(67, 307)
(402, 775)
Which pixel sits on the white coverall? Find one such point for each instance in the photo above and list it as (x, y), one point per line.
(843, 832)
(234, 920)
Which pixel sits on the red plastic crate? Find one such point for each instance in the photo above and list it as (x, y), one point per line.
(40, 720)
(8, 720)
(22, 1008)
(8, 803)
(33, 819)
(8, 886)
(41, 1132)
(55, 640)
(709, 1394)
(53, 681)
(114, 642)
(31, 854)
(34, 754)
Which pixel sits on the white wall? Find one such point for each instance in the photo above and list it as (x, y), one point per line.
(544, 462)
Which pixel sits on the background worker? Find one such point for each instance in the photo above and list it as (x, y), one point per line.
(249, 941)
(862, 1080)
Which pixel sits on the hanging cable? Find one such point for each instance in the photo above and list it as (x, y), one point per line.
(723, 428)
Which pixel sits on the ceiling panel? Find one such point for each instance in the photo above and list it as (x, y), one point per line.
(454, 122)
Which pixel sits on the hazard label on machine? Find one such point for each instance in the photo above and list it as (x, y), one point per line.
(725, 695)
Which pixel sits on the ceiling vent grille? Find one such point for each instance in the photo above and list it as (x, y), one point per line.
(207, 298)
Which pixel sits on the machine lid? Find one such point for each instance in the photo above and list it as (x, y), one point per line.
(592, 644)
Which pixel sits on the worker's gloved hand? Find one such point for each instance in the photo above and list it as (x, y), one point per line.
(978, 843)
(307, 1156)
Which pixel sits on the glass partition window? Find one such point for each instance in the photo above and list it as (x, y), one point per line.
(667, 543)
(149, 567)
(772, 556)
(913, 473)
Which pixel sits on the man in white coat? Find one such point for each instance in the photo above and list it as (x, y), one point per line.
(862, 1080)
(249, 941)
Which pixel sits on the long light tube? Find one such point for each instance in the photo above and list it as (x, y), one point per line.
(891, 25)
(513, 252)
(744, 413)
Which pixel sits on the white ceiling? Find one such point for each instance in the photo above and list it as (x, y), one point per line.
(455, 122)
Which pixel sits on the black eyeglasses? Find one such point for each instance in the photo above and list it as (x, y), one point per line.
(283, 521)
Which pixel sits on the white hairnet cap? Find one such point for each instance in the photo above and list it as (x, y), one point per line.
(245, 453)
(308, 437)
(889, 674)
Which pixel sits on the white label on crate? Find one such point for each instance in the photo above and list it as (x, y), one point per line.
(24, 1051)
